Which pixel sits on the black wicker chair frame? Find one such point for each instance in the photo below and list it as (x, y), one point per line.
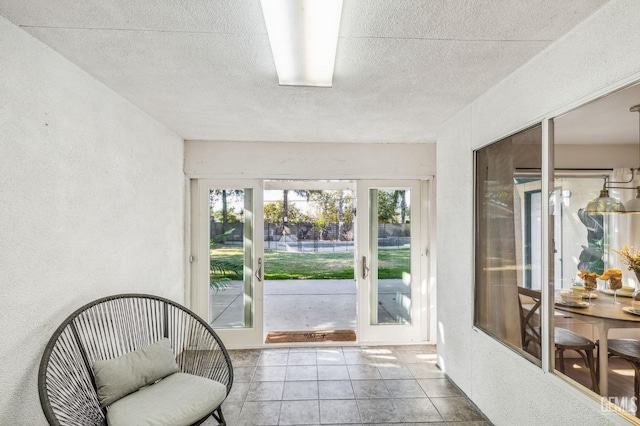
(110, 327)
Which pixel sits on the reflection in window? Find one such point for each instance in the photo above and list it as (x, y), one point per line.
(508, 245)
(588, 247)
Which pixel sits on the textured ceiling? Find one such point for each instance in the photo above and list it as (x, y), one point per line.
(604, 121)
(204, 68)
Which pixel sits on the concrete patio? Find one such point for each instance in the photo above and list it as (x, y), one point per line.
(309, 304)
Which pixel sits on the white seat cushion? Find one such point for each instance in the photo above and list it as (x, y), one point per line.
(178, 399)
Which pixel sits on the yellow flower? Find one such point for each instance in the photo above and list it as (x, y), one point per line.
(630, 257)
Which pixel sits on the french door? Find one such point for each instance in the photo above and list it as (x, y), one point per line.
(227, 244)
(392, 261)
(226, 272)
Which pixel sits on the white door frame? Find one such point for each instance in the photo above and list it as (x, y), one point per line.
(418, 330)
(199, 295)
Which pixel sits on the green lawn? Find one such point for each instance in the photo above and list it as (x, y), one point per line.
(281, 265)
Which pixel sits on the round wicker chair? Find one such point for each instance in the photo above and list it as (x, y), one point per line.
(111, 327)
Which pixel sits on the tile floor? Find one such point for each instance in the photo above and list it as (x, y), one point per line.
(344, 385)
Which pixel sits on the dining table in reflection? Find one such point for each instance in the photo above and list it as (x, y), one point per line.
(604, 315)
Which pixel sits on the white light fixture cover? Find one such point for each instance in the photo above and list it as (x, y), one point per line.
(304, 38)
(633, 205)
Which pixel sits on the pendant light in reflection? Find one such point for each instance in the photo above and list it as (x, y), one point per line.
(633, 205)
(606, 204)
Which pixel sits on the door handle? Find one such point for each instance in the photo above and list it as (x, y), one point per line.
(259, 269)
(365, 268)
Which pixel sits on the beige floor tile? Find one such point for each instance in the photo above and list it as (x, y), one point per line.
(404, 388)
(435, 388)
(379, 411)
(339, 411)
(302, 372)
(363, 372)
(338, 389)
(330, 358)
(394, 371)
(269, 374)
(425, 371)
(264, 413)
(300, 390)
(369, 389)
(333, 372)
(302, 358)
(300, 413)
(457, 409)
(238, 392)
(272, 359)
(243, 374)
(265, 391)
(374, 385)
(244, 357)
(414, 410)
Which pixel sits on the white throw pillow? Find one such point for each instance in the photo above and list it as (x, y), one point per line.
(118, 377)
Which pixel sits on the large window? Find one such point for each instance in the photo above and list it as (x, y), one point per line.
(507, 233)
(565, 257)
(597, 163)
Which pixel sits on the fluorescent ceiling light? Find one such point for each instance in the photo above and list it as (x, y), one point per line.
(304, 38)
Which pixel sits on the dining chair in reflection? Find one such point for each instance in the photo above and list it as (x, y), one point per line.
(629, 350)
(564, 339)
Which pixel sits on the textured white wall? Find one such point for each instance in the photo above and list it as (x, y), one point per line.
(282, 160)
(600, 54)
(454, 263)
(91, 204)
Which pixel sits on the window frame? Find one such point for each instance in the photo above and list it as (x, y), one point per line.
(476, 242)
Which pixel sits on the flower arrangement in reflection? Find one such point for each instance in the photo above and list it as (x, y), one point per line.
(614, 276)
(589, 278)
(630, 257)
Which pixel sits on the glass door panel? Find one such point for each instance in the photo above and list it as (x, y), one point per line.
(230, 257)
(390, 248)
(392, 261)
(227, 270)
